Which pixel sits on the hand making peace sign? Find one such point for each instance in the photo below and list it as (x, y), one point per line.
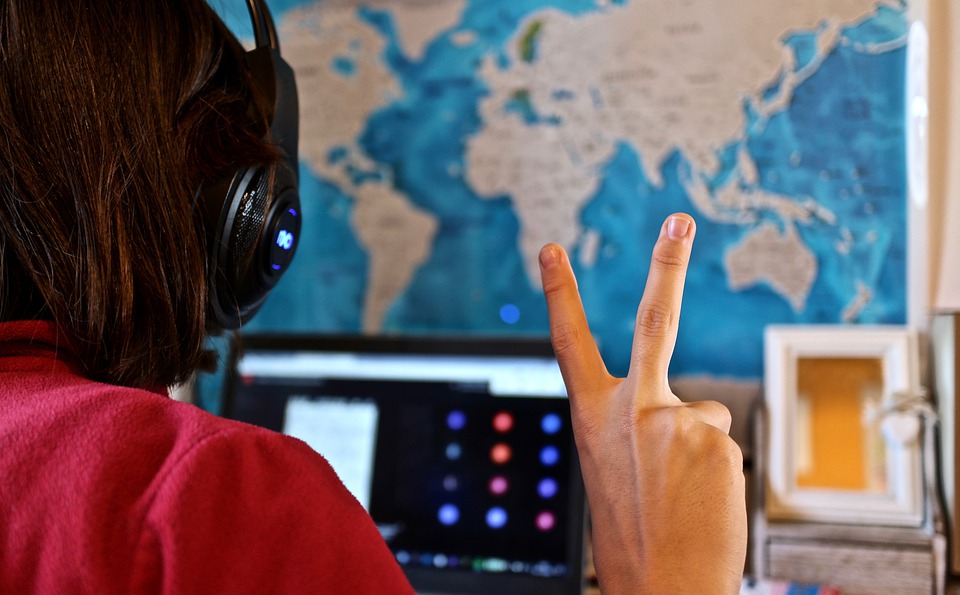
(664, 480)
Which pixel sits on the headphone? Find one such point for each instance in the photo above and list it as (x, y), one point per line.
(252, 217)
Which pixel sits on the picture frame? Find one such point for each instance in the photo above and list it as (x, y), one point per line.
(843, 445)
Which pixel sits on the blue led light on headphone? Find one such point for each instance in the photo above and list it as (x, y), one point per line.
(287, 230)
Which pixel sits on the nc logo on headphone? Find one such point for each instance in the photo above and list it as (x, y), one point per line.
(285, 239)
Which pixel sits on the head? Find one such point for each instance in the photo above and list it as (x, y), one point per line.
(113, 114)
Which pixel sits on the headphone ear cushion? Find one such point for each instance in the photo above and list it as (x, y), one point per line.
(255, 235)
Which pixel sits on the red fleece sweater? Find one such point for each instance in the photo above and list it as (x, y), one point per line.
(105, 489)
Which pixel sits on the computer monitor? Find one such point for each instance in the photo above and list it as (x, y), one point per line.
(460, 449)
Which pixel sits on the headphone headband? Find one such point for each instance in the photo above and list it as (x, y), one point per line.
(264, 32)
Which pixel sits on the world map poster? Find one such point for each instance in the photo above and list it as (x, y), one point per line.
(443, 142)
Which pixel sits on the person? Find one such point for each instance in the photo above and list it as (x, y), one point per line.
(113, 113)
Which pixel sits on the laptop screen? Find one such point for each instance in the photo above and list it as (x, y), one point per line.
(460, 450)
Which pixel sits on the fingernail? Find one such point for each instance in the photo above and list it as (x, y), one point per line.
(677, 227)
(549, 256)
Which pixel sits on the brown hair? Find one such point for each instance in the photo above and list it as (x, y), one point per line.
(112, 114)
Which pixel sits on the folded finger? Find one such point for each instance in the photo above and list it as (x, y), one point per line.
(713, 413)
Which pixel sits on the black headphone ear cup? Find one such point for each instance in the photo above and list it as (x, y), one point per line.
(255, 235)
(252, 219)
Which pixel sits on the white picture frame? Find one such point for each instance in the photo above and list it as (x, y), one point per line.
(894, 349)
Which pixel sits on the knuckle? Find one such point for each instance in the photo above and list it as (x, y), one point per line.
(565, 338)
(713, 413)
(725, 414)
(670, 257)
(724, 452)
(671, 424)
(552, 285)
(685, 423)
(654, 319)
(680, 429)
(733, 452)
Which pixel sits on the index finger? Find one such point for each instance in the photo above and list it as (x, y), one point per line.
(658, 316)
(577, 354)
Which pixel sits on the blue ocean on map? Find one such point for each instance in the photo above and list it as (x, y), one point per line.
(840, 142)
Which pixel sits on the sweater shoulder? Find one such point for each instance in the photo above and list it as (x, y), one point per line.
(245, 506)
